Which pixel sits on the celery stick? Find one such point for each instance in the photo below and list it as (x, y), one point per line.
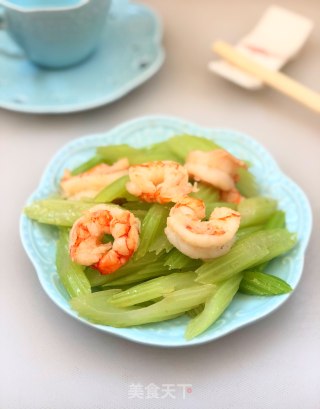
(95, 160)
(152, 227)
(177, 260)
(258, 283)
(160, 244)
(247, 184)
(131, 267)
(152, 270)
(112, 153)
(116, 190)
(246, 231)
(153, 289)
(151, 156)
(181, 145)
(57, 211)
(60, 212)
(246, 253)
(195, 311)
(173, 304)
(215, 305)
(211, 206)
(277, 220)
(71, 274)
(137, 205)
(256, 210)
(207, 193)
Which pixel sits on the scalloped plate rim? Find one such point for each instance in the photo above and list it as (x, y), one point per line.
(277, 301)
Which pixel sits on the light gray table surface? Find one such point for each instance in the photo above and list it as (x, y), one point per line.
(49, 360)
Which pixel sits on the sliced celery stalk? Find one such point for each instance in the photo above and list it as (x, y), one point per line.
(177, 260)
(172, 305)
(112, 153)
(152, 270)
(246, 231)
(215, 305)
(258, 283)
(94, 161)
(153, 289)
(60, 212)
(152, 227)
(116, 190)
(207, 193)
(97, 279)
(252, 250)
(247, 184)
(181, 145)
(57, 211)
(211, 206)
(277, 220)
(71, 274)
(256, 210)
(195, 311)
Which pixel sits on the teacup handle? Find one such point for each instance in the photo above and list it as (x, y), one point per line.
(4, 51)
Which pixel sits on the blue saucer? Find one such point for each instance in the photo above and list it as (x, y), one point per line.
(130, 52)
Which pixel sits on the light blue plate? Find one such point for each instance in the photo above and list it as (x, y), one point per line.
(39, 240)
(130, 53)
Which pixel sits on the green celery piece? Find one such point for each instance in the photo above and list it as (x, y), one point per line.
(152, 227)
(131, 267)
(215, 305)
(177, 260)
(151, 155)
(145, 206)
(182, 145)
(258, 283)
(246, 231)
(174, 304)
(247, 184)
(58, 212)
(252, 250)
(256, 210)
(116, 190)
(112, 153)
(152, 270)
(71, 274)
(211, 206)
(153, 289)
(277, 220)
(195, 311)
(94, 161)
(207, 193)
(160, 244)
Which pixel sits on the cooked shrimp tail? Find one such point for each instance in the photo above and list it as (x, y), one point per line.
(201, 239)
(86, 245)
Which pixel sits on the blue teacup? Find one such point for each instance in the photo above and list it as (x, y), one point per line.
(56, 33)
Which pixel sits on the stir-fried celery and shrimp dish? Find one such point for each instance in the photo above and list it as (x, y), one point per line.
(179, 227)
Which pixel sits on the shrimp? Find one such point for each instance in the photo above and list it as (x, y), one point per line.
(201, 239)
(159, 181)
(91, 182)
(86, 235)
(218, 168)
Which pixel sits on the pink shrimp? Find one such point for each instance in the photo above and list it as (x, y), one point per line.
(201, 239)
(85, 243)
(159, 181)
(91, 182)
(218, 168)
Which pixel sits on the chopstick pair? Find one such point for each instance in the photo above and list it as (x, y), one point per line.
(256, 59)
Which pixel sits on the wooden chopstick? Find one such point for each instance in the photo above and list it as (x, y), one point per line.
(274, 79)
